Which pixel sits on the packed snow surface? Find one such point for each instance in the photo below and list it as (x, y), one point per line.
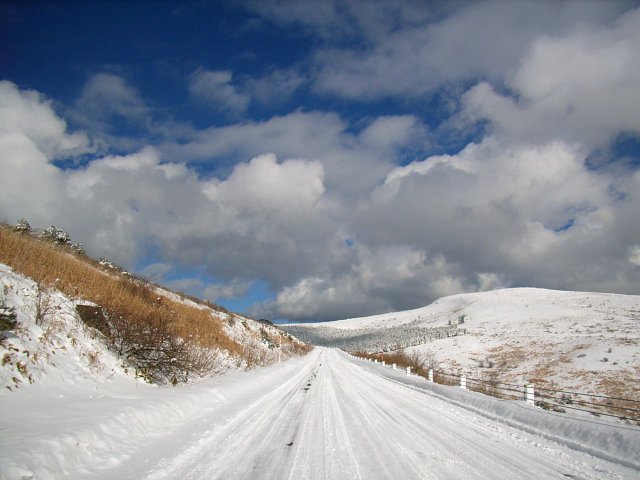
(323, 416)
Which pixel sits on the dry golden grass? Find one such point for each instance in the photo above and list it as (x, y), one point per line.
(119, 294)
(508, 355)
(123, 295)
(294, 346)
(420, 364)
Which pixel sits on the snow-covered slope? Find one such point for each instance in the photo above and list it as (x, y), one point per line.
(572, 339)
(51, 344)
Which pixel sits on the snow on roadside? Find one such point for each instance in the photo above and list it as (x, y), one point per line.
(51, 340)
(81, 430)
(606, 440)
(50, 343)
(49, 360)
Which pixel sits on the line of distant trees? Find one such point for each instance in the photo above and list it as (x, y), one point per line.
(56, 235)
(372, 340)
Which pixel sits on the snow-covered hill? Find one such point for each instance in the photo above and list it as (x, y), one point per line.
(588, 341)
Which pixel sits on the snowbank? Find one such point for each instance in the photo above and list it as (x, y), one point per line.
(78, 430)
(612, 442)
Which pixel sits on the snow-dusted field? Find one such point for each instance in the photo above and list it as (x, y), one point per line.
(324, 416)
(584, 341)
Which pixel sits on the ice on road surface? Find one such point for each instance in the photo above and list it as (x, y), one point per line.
(331, 418)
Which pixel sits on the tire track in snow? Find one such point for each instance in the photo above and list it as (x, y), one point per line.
(242, 447)
(325, 449)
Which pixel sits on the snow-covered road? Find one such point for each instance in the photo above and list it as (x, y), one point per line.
(332, 417)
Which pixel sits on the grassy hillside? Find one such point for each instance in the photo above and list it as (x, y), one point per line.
(139, 312)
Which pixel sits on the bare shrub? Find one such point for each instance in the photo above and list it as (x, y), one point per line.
(50, 329)
(93, 358)
(445, 379)
(43, 303)
(419, 362)
(154, 350)
(255, 358)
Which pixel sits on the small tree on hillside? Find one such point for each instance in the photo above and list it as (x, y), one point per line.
(22, 226)
(78, 248)
(58, 236)
(105, 262)
(8, 317)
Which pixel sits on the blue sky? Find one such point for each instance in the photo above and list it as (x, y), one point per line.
(319, 160)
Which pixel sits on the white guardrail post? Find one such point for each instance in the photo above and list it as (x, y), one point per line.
(393, 366)
(431, 375)
(463, 382)
(408, 371)
(383, 363)
(529, 394)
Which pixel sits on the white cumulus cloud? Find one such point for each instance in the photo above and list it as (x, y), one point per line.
(582, 87)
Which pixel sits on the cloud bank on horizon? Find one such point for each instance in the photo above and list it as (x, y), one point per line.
(339, 158)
